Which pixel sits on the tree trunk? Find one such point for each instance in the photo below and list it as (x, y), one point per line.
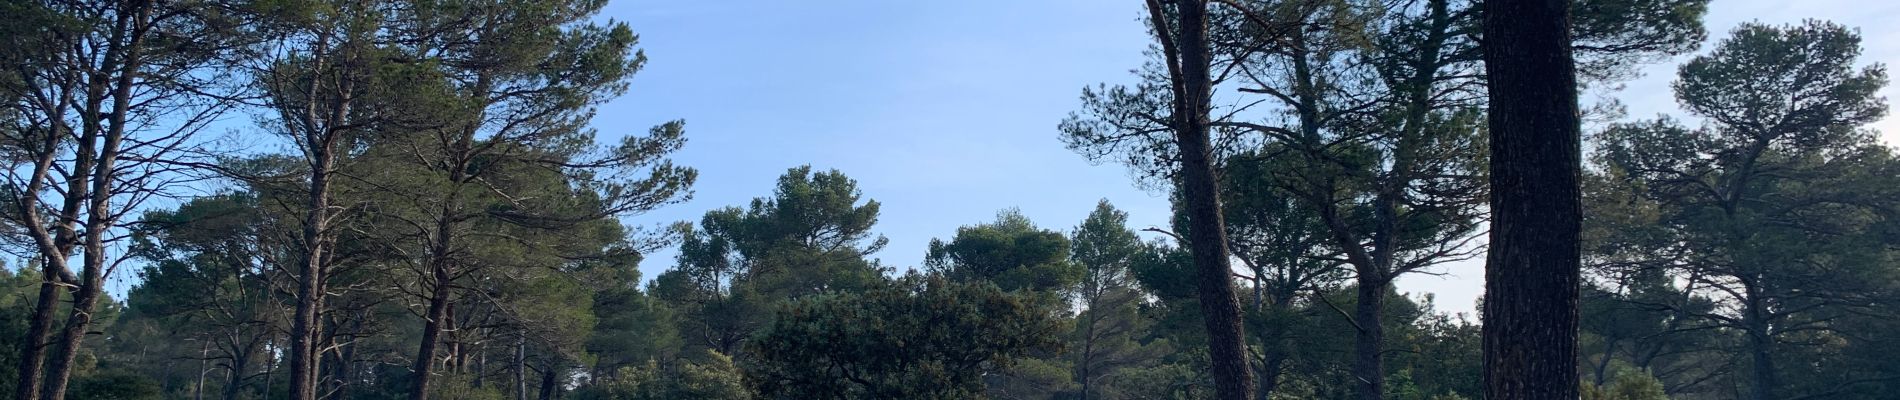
(59, 373)
(240, 364)
(304, 323)
(548, 381)
(1761, 352)
(1368, 367)
(321, 137)
(204, 368)
(1533, 270)
(1206, 232)
(1270, 370)
(344, 365)
(521, 367)
(1603, 363)
(431, 334)
(99, 214)
(38, 334)
(270, 367)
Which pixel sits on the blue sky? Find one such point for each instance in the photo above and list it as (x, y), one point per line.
(945, 111)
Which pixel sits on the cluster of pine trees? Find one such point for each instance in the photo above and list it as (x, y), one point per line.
(446, 224)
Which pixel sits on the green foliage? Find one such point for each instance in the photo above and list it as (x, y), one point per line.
(115, 385)
(1111, 329)
(1754, 252)
(917, 337)
(632, 328)
(1010, 252)
(1764, 233)
(811, 237)
(18, 292)
(1165, 381)
(459, 388)
(1613, 37)
(713, 378)
(1032, 378)
(1628, 385)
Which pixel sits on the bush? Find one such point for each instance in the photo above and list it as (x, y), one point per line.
(711, 378)
(115, 385)
(1629, 384)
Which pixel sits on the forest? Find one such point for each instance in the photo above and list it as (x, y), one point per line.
(434, 214)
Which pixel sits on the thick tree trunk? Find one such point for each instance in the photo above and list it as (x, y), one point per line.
(38, 334)
(1533, 270)
(59, 373)
(1206, 233)
(1368, 367)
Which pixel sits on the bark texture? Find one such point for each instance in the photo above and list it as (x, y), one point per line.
(1188, 65)
(1533, 270)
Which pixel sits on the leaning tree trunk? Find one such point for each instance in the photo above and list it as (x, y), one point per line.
(1534, 266)
(59, 372)
(99, 213)
(1207, 236)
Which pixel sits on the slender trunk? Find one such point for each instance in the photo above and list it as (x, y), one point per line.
(239, 363)
(321, 139)
(481, 364)
(431, 335)
(344, 365)
(440, 247)
(1603, 363)
(270, 368)
(1270, 371)
(548, 382)
(1763, 387)
(304, 323)
(1534, 267)
(1087, 359)
(1188, 64)
(98, 221)
(521, 367)
(204, 368)
(38, 334)
(1761, 343)
(128, 40)
(1368, 367)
